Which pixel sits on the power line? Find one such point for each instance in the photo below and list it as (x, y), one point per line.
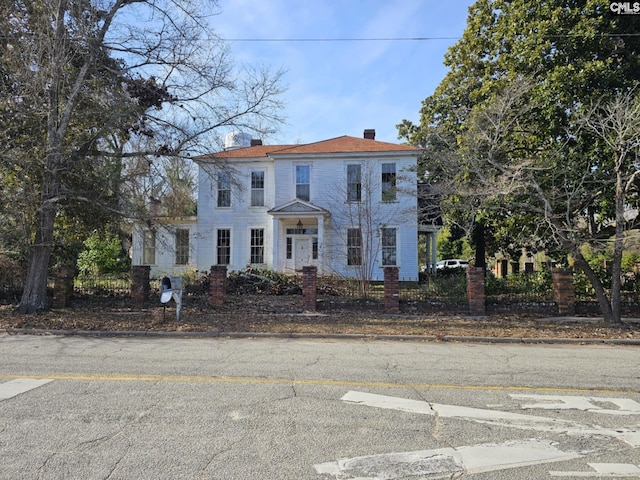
(381, 39)
(364, 39)
(405, 39)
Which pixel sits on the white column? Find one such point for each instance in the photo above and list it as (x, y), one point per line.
(320, 244)
(434, 251)
(276, 236)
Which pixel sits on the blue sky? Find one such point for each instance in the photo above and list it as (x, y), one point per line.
(341, 88)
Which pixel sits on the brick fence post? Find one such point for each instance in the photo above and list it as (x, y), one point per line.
(391, 290)
(563, 291)
(140, 284)
(217, 284)
(475, 291)
(63, 287)
(309, 287)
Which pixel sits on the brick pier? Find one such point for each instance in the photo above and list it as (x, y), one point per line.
(475, 291)
(391, 290)
(140, 284)
(563, 291)
(217, 284)
(309, 287)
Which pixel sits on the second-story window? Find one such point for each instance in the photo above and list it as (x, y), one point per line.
(224, 189)
(354, 183)
(257, 189)
(303, 182)
(388, 182)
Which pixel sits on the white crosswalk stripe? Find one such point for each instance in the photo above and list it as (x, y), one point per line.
(20, 385)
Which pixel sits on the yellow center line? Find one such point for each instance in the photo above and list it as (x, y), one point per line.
(132, 377)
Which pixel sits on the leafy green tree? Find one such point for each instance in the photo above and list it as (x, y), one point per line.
(505, 132)
(452, 243)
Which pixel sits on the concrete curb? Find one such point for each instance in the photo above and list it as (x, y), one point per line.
(321, 336)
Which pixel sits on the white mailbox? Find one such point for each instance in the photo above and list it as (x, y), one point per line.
(171, 287)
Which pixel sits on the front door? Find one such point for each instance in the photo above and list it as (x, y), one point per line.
(302, 252)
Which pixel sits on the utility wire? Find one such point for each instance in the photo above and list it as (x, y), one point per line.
(405, 39)
(372, 39)
(382, 39)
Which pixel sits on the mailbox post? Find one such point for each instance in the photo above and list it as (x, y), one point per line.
(172, 288)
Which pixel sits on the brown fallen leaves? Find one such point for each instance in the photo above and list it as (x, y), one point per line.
(283, 314)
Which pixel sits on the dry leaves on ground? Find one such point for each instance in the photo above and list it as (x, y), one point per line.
(270, 314)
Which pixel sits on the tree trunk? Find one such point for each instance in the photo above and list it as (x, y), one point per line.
(479, 241)
(34, 295)
(605, 305)
(618, 247)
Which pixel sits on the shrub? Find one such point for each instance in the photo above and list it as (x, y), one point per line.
(527, 284)
(102, 255)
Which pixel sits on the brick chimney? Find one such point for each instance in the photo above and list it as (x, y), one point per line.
(155, 207)
(255, 142)
(370, 133)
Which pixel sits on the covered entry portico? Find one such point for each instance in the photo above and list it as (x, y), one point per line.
(299, 234)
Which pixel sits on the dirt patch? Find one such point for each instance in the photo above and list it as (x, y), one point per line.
(284, 314)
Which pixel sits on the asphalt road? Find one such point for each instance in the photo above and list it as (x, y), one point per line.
(162, 408)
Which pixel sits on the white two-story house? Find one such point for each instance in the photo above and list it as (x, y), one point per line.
(347, 205)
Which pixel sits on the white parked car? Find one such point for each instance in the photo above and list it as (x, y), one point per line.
(452, 263)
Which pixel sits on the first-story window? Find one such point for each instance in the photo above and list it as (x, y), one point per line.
(257, 245)
(224, 246)
(354, 246)
(149, 248)
(389, 250)
(182, 246)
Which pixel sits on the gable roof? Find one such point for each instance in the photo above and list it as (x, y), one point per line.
(298, 206)
(344, 144)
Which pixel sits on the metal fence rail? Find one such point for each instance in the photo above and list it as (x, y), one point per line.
(105, 286)
(446, 292)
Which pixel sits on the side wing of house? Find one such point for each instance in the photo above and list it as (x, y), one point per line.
(168, 246)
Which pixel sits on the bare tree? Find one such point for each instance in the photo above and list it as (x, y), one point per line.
(557, 195)
(360, 220)
(100, 73)
(617, 123)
